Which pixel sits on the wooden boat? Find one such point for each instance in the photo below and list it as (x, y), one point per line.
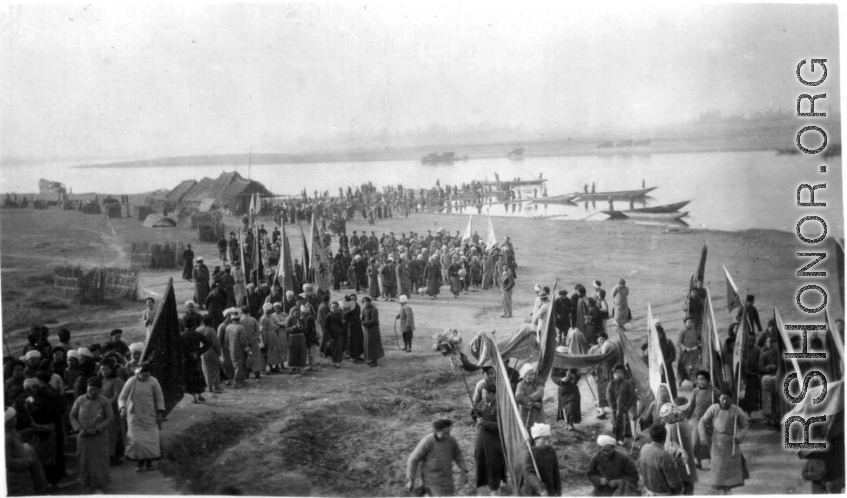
(616, 195)
(667, 208)
(522, 183)
(436, 158)
(635, 215)
(556, 199)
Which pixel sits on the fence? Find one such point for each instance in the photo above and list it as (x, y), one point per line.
(73, 284)
(158, 255)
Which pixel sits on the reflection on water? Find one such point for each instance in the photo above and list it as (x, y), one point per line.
(729, 190)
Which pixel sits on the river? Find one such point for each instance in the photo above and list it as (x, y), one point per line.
(728, 190)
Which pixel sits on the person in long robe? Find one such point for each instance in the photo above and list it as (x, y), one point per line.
(142, 404)
(24, 473)
(569, 397)
(239, 348)
(226, 361)
(602, 373)
(256, 364)
(216, 304)
(612, 472)
(373, 280)
(295, 328)
(269, 329)
(91, 416)
(194, 344)
(201, 283)
(487, 271)
(403, 281)
(433, 457)
(621, 397)
(373, 339)
(689, 345)
(432, 277)
(580, 310)
(112, 387)
(210, 360)
(228, 284)
(335, 331)
(46, 408)
(490, 459)
(548, 481)
(187, 263)
(669, 354)
(753, 385)
(279, 318)
(620, 303)
(320, 318)
(724, 426)
(703, 396)
(455, 279)
(355, 334)
(529, 396)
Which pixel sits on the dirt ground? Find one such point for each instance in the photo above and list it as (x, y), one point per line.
(349, 431)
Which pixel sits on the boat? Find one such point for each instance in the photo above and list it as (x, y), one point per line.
(616, 195)
(436, 158)
(556, 199)
(516, 154)
(521, 183)
(636, 215)
(667, 208)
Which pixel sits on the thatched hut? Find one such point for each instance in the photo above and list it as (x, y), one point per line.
(229, 190)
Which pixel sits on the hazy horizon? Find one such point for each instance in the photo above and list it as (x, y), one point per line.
(124, 82)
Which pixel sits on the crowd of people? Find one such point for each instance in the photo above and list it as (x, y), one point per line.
(678, 435)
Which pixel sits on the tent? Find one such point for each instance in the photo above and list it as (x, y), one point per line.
(159, 221)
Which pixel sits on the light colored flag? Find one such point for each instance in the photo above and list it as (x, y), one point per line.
(468, 231)
(786, 341)
(491, 239)
(739, 357)
(655, 358)
(320, 264)
(733, 299)
(285, 270)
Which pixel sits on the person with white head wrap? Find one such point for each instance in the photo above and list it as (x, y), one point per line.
(612, 472)
(269, 329)
(142, 404)
(235, 340)
(407, 323)
(254, 338)
(530, 394)
(548, 482)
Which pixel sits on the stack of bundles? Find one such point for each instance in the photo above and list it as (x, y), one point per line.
(164, 255)
(91, 207)
(75, 285)
(144, 212)
(40, 204)
(114, 210)
(209, 218)
(67, 205)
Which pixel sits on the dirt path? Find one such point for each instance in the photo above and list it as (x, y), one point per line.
(348, 431)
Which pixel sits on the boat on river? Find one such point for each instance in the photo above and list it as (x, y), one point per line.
(638, 215)
(615, 195)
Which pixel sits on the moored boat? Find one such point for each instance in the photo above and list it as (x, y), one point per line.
(666, 208)
(636, 215)
(614, 195)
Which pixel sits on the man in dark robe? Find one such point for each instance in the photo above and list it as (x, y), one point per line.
(233, 248)
(187, 263)
(216, 304)
(373, 340)
(201, 283)
(355, 335)
(489, 456)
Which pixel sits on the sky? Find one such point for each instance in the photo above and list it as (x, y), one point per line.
(129, 81)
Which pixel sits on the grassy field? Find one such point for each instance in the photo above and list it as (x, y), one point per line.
(349, 431)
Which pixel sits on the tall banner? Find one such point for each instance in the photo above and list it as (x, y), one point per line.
(710, 358)
(468, 230)
(639, 371)
(739, 358)
(491, 239)
(306, 258)
(834, 348)
(787, 347)
(164, 350)
(244, 268)
(547, 340)
(285, 269)
(320, 261)
(513, 435)
(655, 358)
(700, 273)
(258, 269)
(733, 299)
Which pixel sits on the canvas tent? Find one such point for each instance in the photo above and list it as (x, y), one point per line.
(229, 189)
(159, 221)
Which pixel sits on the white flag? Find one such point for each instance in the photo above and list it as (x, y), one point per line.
(468, 233)
(490, 240)
(655, 358)
(319, 260)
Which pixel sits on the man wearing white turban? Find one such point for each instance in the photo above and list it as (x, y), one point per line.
(612, 472)
(549, 480)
